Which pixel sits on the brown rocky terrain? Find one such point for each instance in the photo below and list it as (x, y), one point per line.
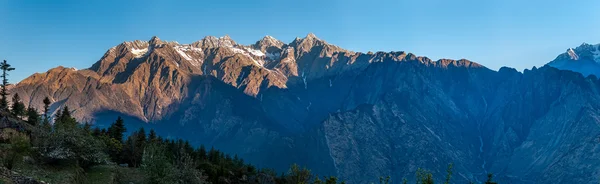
(356, 115)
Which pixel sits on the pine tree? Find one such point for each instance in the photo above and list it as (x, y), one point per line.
(385, 180)
(57, 116)
(424, 177)
(46, 115)
(64, 120)
(18, 108)
(152, 137)
(128, 148)
(489, 180)
(47, 103)
(333, 180)
(449, 173)
(3, 91)
(201, 152)
(117, 129)
(87, 127)
(33, 117)
(134, 146)
(96, 132)
(317, 180)
(299, 175)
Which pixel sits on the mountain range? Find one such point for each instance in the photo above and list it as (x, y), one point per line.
(355, 115)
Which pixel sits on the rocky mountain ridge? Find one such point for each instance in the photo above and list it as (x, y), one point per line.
(351, 114)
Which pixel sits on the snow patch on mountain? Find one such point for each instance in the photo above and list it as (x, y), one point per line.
(238, 50)
(256, 52)
(187, 48)
(183, 54)
(183, 51)
(572, 54)
(250, 53)
(138, 53)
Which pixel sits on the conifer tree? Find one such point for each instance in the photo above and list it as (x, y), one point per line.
(448, 173)
(152, 137)
(117, 129)
(201, 152)
(18, 108)
(317, 181)
(96, 132)
(33, 117)
(489, 180)
(64, 120)
(334, 180)
(3, 91)
(46, 108)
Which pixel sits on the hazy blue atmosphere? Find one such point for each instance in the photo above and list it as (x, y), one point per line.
(39, 35)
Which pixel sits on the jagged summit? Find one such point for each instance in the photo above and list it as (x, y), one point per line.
(154, 40)
(270, 40)
(268, 44)
(584, 59)
(311, 36)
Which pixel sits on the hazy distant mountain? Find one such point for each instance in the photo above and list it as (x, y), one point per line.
(356, 115)
(584, 59)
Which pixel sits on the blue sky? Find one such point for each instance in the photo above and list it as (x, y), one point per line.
(38, 35)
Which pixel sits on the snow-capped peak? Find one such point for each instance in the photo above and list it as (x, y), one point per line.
(271, 40)
(270, 37)
(311, 36)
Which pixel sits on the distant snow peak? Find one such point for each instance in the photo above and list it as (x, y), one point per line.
(138, 53)
(270, 37)
(572, 54)
(311, 36)
(271, 40)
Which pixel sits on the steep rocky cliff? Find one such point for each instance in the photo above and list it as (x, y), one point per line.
(356, 115)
